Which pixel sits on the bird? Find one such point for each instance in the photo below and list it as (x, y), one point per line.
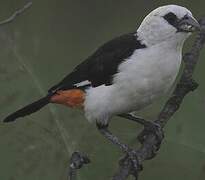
(127, 73)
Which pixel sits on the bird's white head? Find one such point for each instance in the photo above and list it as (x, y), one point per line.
(171, 23)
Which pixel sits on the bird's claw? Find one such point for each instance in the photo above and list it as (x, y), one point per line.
(152, 128)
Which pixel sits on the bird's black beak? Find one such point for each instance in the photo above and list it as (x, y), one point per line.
(188, 24)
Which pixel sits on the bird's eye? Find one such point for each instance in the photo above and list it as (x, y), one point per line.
(171, 18)
(186, 17)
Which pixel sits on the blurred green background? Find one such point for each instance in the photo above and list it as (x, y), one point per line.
(43, 45)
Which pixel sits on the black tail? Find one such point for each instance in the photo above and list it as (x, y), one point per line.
(29, 109)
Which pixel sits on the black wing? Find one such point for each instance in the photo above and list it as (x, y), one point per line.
(100, 67)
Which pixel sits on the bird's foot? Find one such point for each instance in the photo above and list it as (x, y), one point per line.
(154, 129)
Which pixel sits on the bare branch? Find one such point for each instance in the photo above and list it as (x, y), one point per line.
(16, 13)
(77, 161)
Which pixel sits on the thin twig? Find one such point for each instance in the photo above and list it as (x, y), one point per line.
(16, 13)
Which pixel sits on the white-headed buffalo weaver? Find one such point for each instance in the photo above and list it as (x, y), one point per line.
(127, 73)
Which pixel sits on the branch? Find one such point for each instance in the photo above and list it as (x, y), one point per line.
(185, 85)
(76, 162)
(16, 13)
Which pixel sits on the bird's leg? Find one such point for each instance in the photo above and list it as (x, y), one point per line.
(149, 127)
(134, 118)
(111, 137)
(115, 140)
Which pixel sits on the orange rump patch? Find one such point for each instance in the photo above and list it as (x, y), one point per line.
(71, 98)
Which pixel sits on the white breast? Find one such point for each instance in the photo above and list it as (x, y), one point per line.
(142, 78)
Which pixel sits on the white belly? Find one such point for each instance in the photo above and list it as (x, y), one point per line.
(141, 79)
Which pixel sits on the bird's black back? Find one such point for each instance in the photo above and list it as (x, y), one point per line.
(100, 67)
